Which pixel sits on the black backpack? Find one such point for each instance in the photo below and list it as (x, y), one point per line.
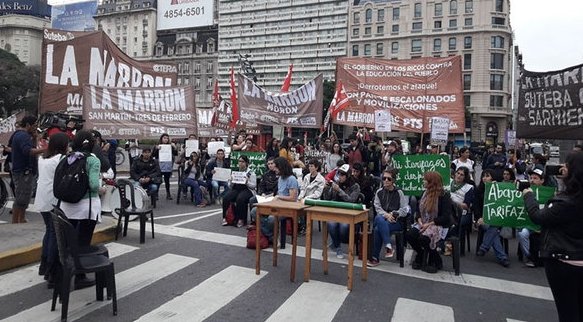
(71, 181)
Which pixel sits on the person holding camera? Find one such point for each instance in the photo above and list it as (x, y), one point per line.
(390, 204)
(562, 240)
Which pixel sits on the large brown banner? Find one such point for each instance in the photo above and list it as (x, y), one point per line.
(223, 120)
(550, 104)
(140, 113)
(299, 108)
(72, 59)
(205, 128)
(413, 90)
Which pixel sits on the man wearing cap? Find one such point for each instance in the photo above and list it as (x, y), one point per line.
(530, 250)
(24, 166)
(146, 173)
(346, 190)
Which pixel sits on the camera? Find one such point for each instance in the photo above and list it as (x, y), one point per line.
(51, 119)
(523, 184)
(553, 170)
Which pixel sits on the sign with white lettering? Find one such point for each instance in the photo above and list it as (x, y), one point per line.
(413, 167)
(76, 16)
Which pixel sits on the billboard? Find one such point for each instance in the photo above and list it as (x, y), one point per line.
(71, 59)
(175, 14)
(74, 16)
(37, 8)
(550, 104)
(414, 90)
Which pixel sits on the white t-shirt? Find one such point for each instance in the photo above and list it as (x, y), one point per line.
(468, 164)
(45, 199)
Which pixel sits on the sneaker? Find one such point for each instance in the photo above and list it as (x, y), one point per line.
(529, 263)
(239, 223)
(480, 253)
(339, 253)
(225, 223)
(505, 263)
(373, 262)
(389, 252)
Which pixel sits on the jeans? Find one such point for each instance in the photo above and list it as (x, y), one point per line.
(50, 252)
(492, 239)
(524, 242)
(338, 233)
(382, 234)
(195, 188)
(216, 185)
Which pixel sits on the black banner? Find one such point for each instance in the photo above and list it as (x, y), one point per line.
(550, 104)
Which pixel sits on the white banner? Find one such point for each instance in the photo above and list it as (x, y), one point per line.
(175, 14)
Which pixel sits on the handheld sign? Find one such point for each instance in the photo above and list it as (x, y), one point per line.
(213, 147)
(382, 121)
(165, 153)
(504, 205)
(239, 177)
(190, 146)
(439, 130)
(256, 161)
(413, 167)
(222, 174)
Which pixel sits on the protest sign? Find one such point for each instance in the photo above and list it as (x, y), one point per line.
(190, 146)
(239, 177)
(504, 205)
(222, 174)
(413, 167)
(439, 130)
(256, 161)
(213, 147)
(382, 121)
(165, 153)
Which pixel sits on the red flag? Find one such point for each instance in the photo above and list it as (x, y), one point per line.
(287, 80)
(339, 102)
(234, 103)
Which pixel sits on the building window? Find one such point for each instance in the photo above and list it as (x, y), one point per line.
(437, 44)
(499, 6)
(394, 47)
(452, 43)
(467, 61)
(468, 42)
(380, 30)
(368, 16)
(497, 42)
(367, 49)
(453, 7)
(496, 82)
(199, 48)
(438, 10)
(380, 15)
(415, 45)
(496, 61)
(417, 13)
(496, 101)
(417, 26)
(186, 67)
(355, 50)
(452, 23)
(356, 17)
(498, 21)
(468, 22)
(380, 49)
(210, 67)
(355, 32)
(396, 13)
(437, 24)
(467, 100)
(367, 31)
(467, 82)
(469, 6)
(395, 29)
(210, 47)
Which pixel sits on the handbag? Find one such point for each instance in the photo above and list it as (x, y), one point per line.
(230, 215)
(251, 237)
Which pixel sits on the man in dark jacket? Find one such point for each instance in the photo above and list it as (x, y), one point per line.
(218, 161)
(146, 173)
(268, 184)
(496, 162)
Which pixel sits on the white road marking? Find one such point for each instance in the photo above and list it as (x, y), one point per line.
(410, 310)
(206, 298)
(188, 214)
(217, 212)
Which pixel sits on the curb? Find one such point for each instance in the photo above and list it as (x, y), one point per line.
(30, 254)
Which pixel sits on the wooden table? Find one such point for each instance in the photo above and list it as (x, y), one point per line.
(346, 216)
(278, 208)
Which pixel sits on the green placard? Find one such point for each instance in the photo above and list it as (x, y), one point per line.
(412, 167)
(504, 205)
(256, 161)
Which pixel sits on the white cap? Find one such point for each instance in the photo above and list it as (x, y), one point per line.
(344, 168)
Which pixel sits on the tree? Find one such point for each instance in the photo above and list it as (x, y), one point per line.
(19, 85)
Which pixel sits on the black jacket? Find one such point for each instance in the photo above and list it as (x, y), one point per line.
(444, 211)
(562, 226)
(268, 183)
(141, 168)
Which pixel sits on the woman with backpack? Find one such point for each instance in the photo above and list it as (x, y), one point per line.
(47, 163)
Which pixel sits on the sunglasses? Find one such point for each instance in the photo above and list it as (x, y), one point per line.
(387, 179)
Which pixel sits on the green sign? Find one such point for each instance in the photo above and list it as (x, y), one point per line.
(504, 205)
(256, 161)
(413, 167)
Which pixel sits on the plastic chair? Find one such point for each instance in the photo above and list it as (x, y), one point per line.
(128, 208)
(72, 263)
(455, 242)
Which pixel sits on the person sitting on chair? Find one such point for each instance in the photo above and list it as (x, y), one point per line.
(240, 193)
(146, 173)
(218, 161)
(390, 204)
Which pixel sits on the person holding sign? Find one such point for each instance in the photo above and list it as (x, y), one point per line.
(530, 251)
(435, 212)
(562, 230)
(165, 153)
(218, 161)
(240, 193)
(192, 179)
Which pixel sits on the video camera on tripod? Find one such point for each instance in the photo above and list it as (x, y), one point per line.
(60, 120)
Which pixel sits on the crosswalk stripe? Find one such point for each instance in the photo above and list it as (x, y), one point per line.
(206, 298)
(3, 222)
(197, 218)
(513, 320)
(410, 310)
(476, 281)
(187, 214)
(300, 305)
(129, 281)
(28, 276)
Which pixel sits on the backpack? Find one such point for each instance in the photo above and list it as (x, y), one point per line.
(71, 180)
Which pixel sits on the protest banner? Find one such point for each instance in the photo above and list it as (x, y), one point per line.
(504, 205)
(439, 130)
(312, 153)
(413, 90)
(256, 161)
(298, 108)
(8, 126)
(413, 167)
(142, 113)
(71, 59)
(204, 117)
(550, 104)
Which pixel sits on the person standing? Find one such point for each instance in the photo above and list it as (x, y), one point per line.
(24, 166)
(496, 162)
(166, 166)
(562, 243)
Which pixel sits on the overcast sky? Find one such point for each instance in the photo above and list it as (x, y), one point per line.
(548, 33)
